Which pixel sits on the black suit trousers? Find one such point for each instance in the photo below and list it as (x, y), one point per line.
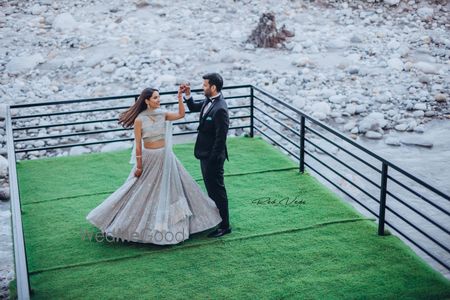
(213, 177)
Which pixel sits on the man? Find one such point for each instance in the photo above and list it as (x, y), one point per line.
(210, 147)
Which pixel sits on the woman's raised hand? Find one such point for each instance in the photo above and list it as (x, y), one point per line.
(181, 89)
(187, 90)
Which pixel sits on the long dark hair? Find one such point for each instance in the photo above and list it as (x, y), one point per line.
(126, 119)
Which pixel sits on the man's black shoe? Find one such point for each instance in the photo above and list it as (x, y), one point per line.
(219, 232)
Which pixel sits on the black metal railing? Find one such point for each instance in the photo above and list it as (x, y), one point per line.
(314, 127)
(298, 134)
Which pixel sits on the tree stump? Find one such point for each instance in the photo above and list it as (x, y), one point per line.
(266, 34)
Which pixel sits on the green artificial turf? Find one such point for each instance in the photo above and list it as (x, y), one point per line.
(317, 247)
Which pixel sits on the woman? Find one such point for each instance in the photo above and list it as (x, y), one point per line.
(160, 202)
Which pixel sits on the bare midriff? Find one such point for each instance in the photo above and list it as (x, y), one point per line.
(154, 145)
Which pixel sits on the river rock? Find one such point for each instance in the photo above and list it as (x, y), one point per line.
(22, 64)
(116, 146)
(64, 22)
(320, 110)
(417, 141)
(168, 80)
(337, 98)
(438, 97)
(109, 68)
(425, 12)
(418, 113)
(426, 68)
(299, 103)
(392, 141)
(350, 108)
(3, 108)
(391, 2)
(3, 167)
(420, 106)
(349, 126)
(401, 127)
(4, 194)
(395, 63)
(373, 135)
(373, 122)
(78, 150)
(419, 129)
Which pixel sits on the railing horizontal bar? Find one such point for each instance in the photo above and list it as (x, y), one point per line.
(419, 246)
(419, 195)
(342, 176)
(239, 127)
(278, 144)
(73, 145)
(266, 93)
(339, 188)
(65, 124)
(97, 121)
(343, 163)
(342, 148)
(279, 122)
(240, 106)
(104, 142)
(185, 132)
(233, 87)
(436, 191)
(113, 97)
(74, 123)
(194, 132)
(418, 229)
(99, 109)
(71, 134)
(226, 98)
(236, 97)
(419, 213)
(70, 112)
(104, 131)
(278, 110)
(277, 132)
(49, 103)
(192, 122)
(321, 124)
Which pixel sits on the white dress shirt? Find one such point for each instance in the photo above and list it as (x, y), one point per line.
(210, 103)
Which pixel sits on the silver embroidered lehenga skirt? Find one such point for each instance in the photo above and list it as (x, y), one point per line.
(162, 206)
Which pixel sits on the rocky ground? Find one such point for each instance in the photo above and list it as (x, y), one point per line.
(375, 70)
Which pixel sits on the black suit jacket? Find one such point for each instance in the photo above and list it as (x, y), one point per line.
(212, 130)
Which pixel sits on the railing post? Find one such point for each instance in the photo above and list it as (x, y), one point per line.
(302, 144)
(20, 255)
(381, 215)
(251, 111)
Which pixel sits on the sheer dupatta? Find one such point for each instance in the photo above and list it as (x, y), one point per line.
(172, 205)
(162, 215)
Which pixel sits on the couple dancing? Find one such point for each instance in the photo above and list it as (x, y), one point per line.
(160, 202)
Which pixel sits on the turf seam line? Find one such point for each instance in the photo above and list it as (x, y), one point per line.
(216, 241)
(198, 179)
